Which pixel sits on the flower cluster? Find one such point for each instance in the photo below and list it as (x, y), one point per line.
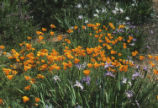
(108, 54)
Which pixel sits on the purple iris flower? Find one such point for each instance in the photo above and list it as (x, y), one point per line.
(128, 23)
(121, 30)
(132, 26)
(81, 66)
(86, 79)
(148, 47)
(108, 65)
(134, 39)
(145, 68)
(151, 31)
(137, 66)
(114, 32)
(109, 74)
(137, 74)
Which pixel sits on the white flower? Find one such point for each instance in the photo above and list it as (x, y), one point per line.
(129, 83)
(132, 44)
(127, 18)
(79, 5)
(97, 10)
(121, 10)
(103, 10)
(56, 78)
(133, 4)
(114, 12)
(86, 21)
(80, 17)
(116, 9)
(78, 84)
(124, 81)
(95, 15)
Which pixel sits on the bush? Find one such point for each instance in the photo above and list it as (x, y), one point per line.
(62, 13)
(15, 25)
(139, 11)
(65, 13)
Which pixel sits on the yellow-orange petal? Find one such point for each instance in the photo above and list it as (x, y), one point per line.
(86, 72)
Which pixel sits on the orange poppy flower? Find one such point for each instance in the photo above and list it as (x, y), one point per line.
(51, 33)
(90, 65)
(155, 72)
(75, 27)
(1, 101)
(112, 26)
(27, 87)
(121, 26)
(134, 53)
(70, 31)
(10, 77)
(156, 58)
(6, 71)
(40, 38)
(2, 47)
(96, 65)
(76, 60)
(40, 76)
(84, 27)
(27, 78)
(44, 29)
(141, 57)
(59, 37)
(86, 72)
(52, 26)
(29, 38)
(37, 99)
(25, 99)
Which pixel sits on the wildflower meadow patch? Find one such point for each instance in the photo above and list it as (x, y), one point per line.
(91, 66)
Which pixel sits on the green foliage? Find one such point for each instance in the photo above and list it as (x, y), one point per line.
(63, 87)
(15, 25)
(62, 13)
(70, 87)
(140, 11)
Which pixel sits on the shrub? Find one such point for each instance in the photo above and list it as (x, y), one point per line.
(63, 13)
(16, 25)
